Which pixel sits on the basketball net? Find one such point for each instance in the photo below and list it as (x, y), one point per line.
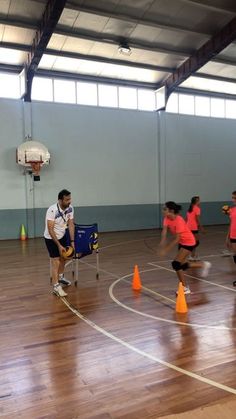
(35, 166)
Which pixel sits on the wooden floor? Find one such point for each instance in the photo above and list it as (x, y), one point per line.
(107, 352)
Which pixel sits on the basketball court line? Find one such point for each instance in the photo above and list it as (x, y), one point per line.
(145, 354)
(118, 302)
(204, 257)
(194, 277)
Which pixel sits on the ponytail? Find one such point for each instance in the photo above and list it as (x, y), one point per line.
(193, 202)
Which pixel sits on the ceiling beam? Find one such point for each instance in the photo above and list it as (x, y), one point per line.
(18, 23)
(84, 77)
(10, 68)
(24, 47)
(33, 24)
(214, 77)
(50, 18)
(215, 8)
(66, 31)
(15, 46)
(86, 57)
(128, 63)
(133, 19)
(202, 56)
(105, 60)
(115, 39)
(198, 92)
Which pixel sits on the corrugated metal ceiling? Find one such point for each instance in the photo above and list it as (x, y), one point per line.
(161, 34)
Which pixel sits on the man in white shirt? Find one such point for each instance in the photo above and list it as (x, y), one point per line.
(59, 220)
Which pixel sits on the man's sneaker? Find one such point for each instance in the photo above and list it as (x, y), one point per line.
(63, 281)
(57, 290)
(186, 291)
(205, 269)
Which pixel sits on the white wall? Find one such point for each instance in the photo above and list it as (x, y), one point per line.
(12, 185)
(122, 161)
(198, 158)
(104, 156)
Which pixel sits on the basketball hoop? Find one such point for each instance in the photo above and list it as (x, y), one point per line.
(32, 155)
(36, 167)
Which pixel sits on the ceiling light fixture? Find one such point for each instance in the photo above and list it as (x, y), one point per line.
(124, 49)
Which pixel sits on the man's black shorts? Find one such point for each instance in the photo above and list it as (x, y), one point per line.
(52, 247)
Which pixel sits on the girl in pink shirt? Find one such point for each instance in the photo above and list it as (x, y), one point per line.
(231, 235)
(184, 238)
(193, 221)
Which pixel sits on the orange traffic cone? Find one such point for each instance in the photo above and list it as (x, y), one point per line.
(181, 305)
(23, 233)
(136, 284)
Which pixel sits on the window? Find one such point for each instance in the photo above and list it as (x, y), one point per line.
(146, 100)
(217, 108)
(113, 96)
(42, 89)
(10, 86)
(64, 91)
(230, 109)
(87, 93)
(107, 96)
(202, 106)
(160, 98)
(173, 103)
(186, 104)
(128, 98)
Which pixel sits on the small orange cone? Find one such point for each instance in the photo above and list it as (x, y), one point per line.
(181, 305)
(136, 284)
(23, 233)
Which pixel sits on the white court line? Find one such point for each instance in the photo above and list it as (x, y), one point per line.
(194, 277)
(197, 325)
(146, 355)
(201, 258)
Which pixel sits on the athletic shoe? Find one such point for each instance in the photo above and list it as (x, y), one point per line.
(63, 281)
(205, 269)
(186, 291)
(57, 290)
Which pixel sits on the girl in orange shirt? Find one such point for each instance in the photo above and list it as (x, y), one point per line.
(231, 235)
(193, 222)
(185, 240)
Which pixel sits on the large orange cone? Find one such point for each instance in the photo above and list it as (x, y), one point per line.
(23, 233)
(136, 284)
(181, 305)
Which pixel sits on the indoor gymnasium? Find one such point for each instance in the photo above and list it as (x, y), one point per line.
(118, 209)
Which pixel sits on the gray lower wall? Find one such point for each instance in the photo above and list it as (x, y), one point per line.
(108, 218)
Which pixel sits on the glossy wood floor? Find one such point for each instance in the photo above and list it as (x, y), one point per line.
(107, 352)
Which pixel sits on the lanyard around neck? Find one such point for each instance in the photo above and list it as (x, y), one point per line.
(62, 216)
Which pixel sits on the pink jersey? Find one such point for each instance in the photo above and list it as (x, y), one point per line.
(179, 226)
(232, 229)
(192, 218)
